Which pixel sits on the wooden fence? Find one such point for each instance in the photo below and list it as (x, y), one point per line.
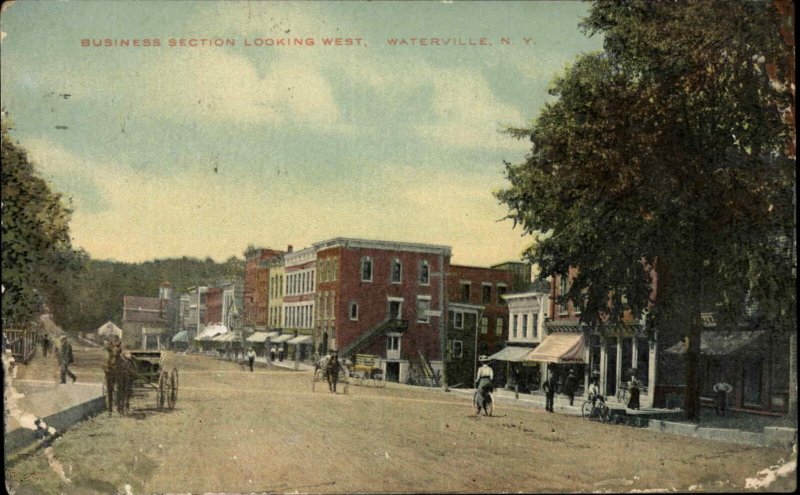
(22, 344)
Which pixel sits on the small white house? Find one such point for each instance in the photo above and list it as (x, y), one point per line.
(109, 330)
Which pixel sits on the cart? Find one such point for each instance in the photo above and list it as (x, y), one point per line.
(321, 376)
(141, 373)
(367, 371)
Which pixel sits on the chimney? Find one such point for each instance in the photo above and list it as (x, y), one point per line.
(289, 248)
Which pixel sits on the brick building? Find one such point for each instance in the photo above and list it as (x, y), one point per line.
(384, 298)
(256, 281)
(148, 322)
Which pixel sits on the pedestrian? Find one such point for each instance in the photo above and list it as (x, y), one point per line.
(570, 384)
(280, 353)
(633, 389)
(66, 358)
(549, 387)
(272, 351)
(45, 345)
(722, 389)
(332, 371)
(251, 358)
(515, 373)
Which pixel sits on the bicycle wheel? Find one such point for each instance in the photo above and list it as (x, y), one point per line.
(586, 409)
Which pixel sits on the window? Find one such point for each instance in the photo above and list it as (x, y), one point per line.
(562, 290)
(332, 303)
(498, 329)
(501, 291)
(424, 273)
(486, 293)
(366, 269)
(514, 326)
(423, 305)
(334, 268)
(465, 289)
(458, 349)
(484, 325)
(392, 343)
(535, 324)
(354, 311)
(458, 319)
(524, 326)
(397, 271)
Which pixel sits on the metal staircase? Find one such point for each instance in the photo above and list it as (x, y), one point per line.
(427, 371)
(390, 325)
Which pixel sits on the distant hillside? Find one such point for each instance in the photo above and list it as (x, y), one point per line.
(95, 296)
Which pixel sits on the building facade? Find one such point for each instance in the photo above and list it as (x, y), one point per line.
(256, 281)
(527, 314)
(388, 299)
(300, 272)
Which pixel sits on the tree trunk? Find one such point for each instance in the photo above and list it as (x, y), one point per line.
(691, 397)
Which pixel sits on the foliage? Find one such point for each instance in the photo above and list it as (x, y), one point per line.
(666, 151)
(37, 256)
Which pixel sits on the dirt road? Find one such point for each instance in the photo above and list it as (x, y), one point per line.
(234, 431)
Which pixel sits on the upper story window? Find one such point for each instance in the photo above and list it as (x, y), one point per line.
(397, 271)
(354, 311)
(524, 326)
(334, 268)
(514, 326)
(424, 273)
(535, 326)
(501, 291)
(423, 305)
(562, 291)
(498, 329)
(486, 293)
(458, 319)
(465, 292)
(366, 269)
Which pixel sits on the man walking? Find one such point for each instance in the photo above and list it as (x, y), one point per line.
(570, 384)
(251, 358)
(549, 387)
(65, 356)
(45, 345)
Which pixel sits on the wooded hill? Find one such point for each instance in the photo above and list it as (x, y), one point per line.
(94, 295)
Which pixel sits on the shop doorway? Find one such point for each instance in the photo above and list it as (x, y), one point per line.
(392, 371)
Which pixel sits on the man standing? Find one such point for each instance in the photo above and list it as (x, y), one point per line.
(570, 384)
(45, 345)
(65, 356)
(251, 358)
(549, 387)
(280, 353)
(272, 354)
(722, 389)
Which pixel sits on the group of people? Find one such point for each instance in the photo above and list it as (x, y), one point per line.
(63, 354)
(275, 351)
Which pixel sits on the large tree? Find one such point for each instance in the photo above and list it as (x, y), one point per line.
(37, 255)
(666, 150)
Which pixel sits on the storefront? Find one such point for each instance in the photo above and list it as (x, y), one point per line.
(519, 369)
(563, 350)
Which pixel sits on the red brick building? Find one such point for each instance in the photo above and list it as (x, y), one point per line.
(256, 278)
(383, 298)
(484, 287)
(213, 306)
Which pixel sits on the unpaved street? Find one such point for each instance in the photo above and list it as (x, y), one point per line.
(236, 431)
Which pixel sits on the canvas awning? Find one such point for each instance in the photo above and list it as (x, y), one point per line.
(210, 331)
(225, 337)
(300, 339)
(182, 336)
(560, 348)
(512, 353)
(258, 337)
(282, 338)
(721, 343)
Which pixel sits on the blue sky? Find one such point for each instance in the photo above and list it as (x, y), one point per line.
(309, 142)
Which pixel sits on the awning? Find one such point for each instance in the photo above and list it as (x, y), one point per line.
(282, 338)
(559, 348)
(225, 337)
(210, 331)
(512, 353)
(258, 337)
(182, 336)
(300, 339)
(720, 343)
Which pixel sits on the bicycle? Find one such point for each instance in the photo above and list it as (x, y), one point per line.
(597, 410)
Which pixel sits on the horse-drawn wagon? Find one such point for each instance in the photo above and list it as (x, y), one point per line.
(367, 370)
(136, 375)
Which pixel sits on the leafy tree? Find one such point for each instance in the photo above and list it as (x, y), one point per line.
(666, 151)
(37, 256)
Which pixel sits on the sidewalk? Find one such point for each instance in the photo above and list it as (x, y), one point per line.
(735, 427)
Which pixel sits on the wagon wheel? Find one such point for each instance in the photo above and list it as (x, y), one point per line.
(173, 388)
(161, 395)
(586, 409)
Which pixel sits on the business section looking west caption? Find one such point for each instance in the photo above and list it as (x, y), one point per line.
(414, 41)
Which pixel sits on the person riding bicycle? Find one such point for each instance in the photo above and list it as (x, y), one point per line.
(594, 394)
(485, 376)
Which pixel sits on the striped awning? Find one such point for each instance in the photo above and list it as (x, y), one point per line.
(258, 337)
(300, 339)
(512, 353)
(225, 337)
(560, 348)
(282, 338)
